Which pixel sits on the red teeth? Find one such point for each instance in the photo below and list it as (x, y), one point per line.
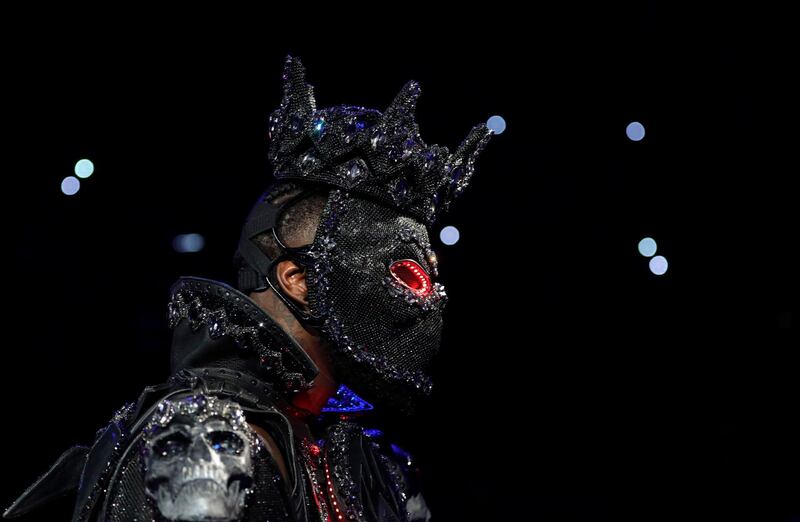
(412, 276)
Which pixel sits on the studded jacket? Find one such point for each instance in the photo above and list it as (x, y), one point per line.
(225, 346)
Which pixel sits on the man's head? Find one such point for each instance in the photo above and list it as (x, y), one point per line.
(365, 279)
(296, 226)
(369, 275)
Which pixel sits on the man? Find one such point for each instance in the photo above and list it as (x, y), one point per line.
(336, 300)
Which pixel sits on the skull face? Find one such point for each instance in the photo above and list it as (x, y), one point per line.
(198, 462)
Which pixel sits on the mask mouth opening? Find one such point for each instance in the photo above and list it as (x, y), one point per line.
(412, 276)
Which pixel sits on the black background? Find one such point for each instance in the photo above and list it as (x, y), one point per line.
(574, 384)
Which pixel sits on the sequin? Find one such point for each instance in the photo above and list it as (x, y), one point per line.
(318, 127)
(354, 170)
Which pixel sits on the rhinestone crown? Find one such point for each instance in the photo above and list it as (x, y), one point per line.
(364, 151)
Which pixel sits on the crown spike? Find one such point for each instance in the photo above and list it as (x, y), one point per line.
(297, 93)
(287, 122)
(461, 164)
(472, 145)
(404, 104)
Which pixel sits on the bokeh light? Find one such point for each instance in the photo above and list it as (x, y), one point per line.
(70, 185)
(648, 247)
(188, 243)
(496, 124)
(449, 235)
(635, 131)
(659, 265)
(84, 168)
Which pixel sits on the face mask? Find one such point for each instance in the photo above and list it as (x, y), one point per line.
(372, 284)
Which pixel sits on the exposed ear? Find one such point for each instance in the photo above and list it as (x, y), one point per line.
(292, 280)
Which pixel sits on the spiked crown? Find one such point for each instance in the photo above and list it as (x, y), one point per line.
(364, 151)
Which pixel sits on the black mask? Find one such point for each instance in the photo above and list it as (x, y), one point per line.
(371, 285)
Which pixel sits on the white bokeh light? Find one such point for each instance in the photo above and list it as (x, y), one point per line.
(70, 185)
(648, 247)
(659, 265)
(449, 235)
(84, 168)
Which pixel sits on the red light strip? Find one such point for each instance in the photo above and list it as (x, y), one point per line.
(419, 274)
(331, 494)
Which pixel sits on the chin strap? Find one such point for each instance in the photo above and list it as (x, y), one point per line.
(257, 273)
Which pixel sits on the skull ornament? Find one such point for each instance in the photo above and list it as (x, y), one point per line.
(198, 459)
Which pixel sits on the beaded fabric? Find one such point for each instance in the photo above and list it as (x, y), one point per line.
(366, 152)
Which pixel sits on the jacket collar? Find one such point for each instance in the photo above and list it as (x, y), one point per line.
(215, 325)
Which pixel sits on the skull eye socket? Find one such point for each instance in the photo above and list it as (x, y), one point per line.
(411, 275)
(225, 442)
(171, 446)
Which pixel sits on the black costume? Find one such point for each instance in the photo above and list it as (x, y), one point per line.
(186, 450)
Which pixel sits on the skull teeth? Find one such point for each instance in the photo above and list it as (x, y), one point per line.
(204, 471)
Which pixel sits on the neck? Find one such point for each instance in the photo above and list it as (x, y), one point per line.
(324, 386)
